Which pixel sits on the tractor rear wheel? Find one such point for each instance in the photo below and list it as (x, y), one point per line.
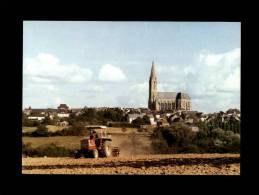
(107, 147)
(77, 154)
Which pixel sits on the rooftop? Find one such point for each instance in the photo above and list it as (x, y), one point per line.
(166, 95)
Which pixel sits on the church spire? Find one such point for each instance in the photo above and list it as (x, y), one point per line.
(152, 88)
(153, 71)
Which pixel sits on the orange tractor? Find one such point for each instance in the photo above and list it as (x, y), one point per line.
(98, 144)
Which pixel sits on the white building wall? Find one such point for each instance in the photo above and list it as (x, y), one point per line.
(39, 118)
(61, 115)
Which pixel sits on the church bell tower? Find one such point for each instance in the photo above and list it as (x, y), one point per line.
(152, 89)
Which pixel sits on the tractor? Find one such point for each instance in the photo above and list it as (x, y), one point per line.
(97, 144)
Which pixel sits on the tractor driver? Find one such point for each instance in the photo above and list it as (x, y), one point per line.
(91, 142)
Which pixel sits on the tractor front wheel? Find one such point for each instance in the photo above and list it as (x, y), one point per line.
(95, 153)
(107, 147)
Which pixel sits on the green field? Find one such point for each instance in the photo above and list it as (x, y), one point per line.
(122, 139)
(28, 129)
(72, 142)
(112, 130)
(51, 128)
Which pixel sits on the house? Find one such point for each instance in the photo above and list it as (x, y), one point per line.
(151, 119)
(39, 113)
(63, 108)
(157, 116)
(27, 111)
(63, 111)
(38, 118)
(132, 117)
(62, 115)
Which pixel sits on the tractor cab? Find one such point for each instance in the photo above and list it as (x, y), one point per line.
(99, 132)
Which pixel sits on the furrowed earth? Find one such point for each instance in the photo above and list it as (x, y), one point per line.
(173, 164)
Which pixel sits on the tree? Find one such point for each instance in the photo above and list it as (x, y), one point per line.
(146, 119)
(46, 121)
(137, 122)
(217, 133)
(178, 135)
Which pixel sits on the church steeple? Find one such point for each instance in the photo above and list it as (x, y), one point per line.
(153, 71)
(152, 88)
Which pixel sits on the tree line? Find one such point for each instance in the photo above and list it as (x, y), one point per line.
(179, 138)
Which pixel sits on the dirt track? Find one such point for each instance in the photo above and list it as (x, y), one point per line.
(177, 164)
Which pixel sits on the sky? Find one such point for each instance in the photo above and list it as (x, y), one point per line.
(94, 64)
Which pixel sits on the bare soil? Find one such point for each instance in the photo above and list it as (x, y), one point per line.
(175, 164)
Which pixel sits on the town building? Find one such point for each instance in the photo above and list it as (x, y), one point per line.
(40, 113)
(166, 101)
(132, 117)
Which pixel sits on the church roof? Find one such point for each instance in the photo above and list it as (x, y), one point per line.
(173, 95)
(183, 96)
(166, 95)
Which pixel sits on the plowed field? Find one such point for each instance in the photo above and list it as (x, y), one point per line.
(175, 164)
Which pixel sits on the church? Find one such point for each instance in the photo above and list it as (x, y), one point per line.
(166, 101)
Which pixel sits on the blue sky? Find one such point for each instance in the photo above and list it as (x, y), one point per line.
(108, 63)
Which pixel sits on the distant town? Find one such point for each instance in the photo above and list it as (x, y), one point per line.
(163, 109)
(163, 118)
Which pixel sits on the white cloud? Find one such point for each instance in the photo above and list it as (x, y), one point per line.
(140, 87)
(44, 78)
(93, 88)
(48, 66)
(212, 80)
(111, 73)
(37, 79)
(57, 100)
(44, 87)
(218, 77)
(220, 71)
(135, 96)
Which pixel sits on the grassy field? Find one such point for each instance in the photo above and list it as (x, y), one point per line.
(28, 129)
(130, 141)
(119, 130)
(51, 128)
(126, 141)
(72, 142)
(112, 130)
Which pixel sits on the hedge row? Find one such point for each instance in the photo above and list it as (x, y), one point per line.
(51, 150)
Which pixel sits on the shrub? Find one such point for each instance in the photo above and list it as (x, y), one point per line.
(26, 149)
(75, 130)
(51, 150)
(41, 131)
(119, 124)
(180, 139)
(137, 122)
(146, 120)
(217, 133)
(158, 143)
(178, 135)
